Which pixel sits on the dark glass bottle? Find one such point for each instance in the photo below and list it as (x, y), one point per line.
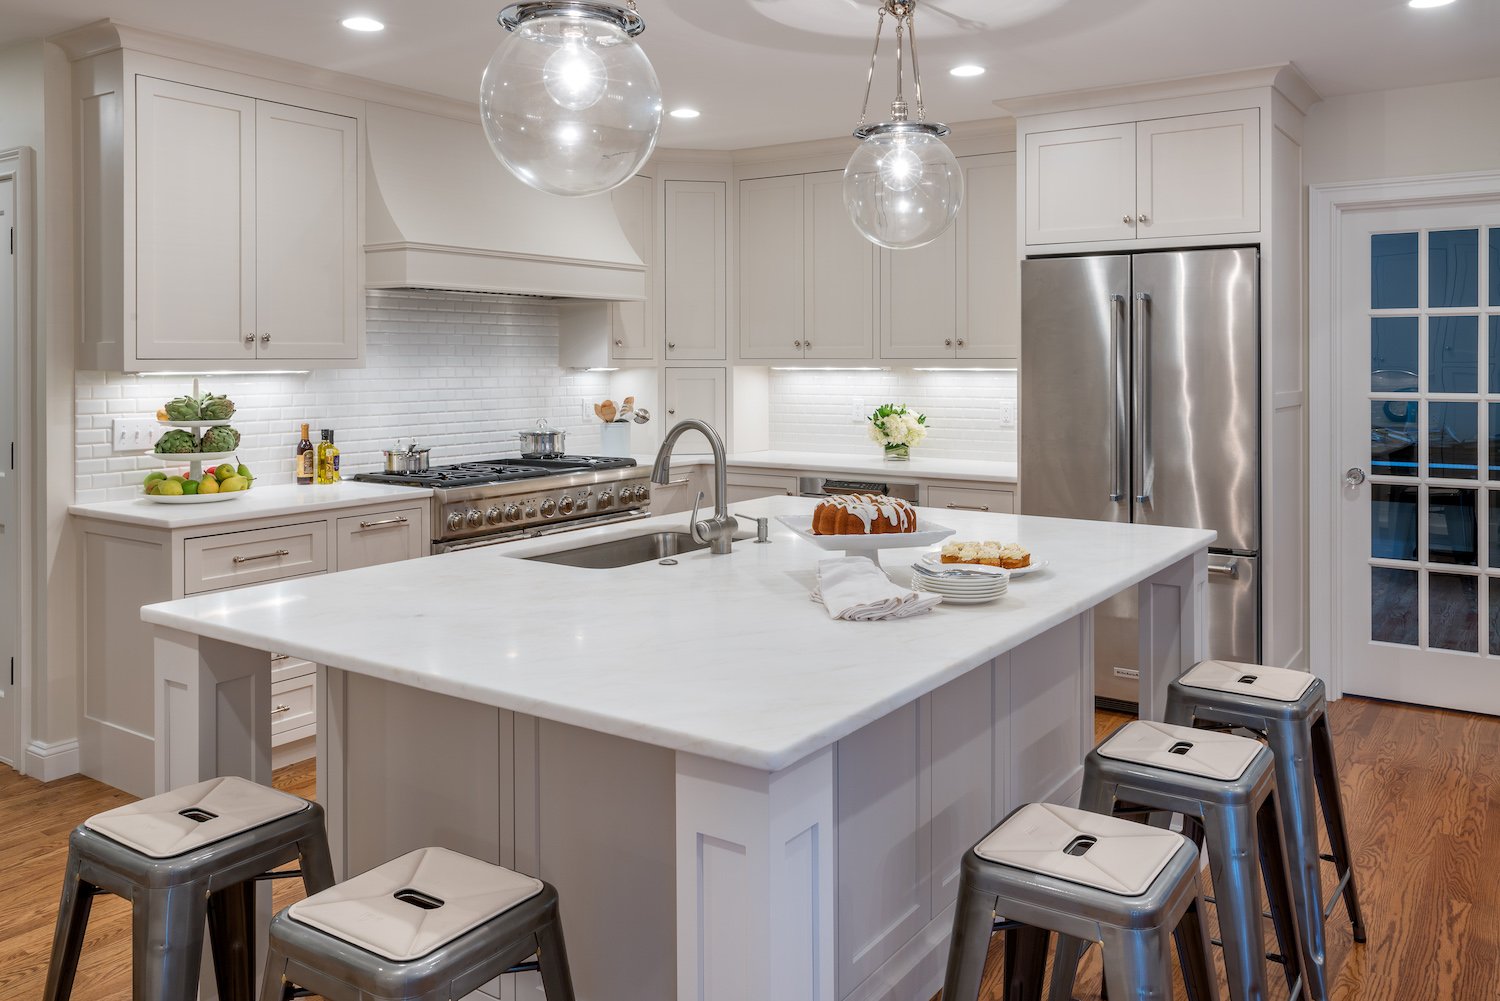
(306, 458)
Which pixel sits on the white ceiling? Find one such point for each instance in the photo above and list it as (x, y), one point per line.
(769, 71)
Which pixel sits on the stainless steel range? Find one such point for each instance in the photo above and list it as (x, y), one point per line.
(501, 500)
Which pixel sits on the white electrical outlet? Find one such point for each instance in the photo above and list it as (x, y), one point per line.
(1128, 673)
(1007, 414)
(858, 411)
(134, 434)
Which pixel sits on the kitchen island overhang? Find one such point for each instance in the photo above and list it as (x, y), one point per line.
(736, 796)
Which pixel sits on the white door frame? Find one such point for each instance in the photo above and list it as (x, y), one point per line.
(1327, 205)
(19, 164)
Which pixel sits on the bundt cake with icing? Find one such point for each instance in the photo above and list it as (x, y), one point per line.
(864, 514)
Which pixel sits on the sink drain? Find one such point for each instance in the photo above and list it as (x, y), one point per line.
(666, 563)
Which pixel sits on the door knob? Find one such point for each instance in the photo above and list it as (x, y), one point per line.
(1354, 476)
(265, 338)
(1129, 220)
(1143, 219)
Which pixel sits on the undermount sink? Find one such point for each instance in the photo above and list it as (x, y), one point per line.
(624, 552)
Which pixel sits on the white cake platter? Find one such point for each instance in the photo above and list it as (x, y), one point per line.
(927, 534)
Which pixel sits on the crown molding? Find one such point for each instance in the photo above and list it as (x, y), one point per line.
(1285, 78)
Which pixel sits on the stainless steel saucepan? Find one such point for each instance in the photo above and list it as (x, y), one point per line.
(543, 442)
(410, 459)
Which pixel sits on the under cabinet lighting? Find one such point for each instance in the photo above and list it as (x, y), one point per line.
(1425, 4)
(684, 112)
(230, 372)
(961, 368)
(362, 24)
(827, 368)
(969, 69)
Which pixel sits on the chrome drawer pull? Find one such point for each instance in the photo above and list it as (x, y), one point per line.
(968, 507)
(675, 483)
(382, 524)
(263, 556)
(278, 710)
(278, 657)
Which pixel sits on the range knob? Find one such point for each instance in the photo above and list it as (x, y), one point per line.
(549, 507)
(530, 510)
(565, 506)
(474, 518)
(606, 500)
(642, 493)
(492, 516)
(512, 512)
(455, 522)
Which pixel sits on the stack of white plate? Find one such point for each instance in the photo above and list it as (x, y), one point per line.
(961, 584)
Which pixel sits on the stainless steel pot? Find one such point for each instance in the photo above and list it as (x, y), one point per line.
(544, 442)
(410, 459)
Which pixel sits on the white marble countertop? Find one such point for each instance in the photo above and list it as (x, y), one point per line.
(919, 467)
(723, 656)
(258, 502)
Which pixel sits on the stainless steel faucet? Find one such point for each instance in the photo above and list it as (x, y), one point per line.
(717, 531)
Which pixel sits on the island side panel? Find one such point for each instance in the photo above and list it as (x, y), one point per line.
(1173, 628)
(210, 710)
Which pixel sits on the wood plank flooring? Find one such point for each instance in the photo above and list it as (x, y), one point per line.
(1420, 786)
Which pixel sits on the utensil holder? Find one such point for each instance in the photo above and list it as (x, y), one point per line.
(614, 439)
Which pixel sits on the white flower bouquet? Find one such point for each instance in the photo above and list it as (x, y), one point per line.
(897, 429)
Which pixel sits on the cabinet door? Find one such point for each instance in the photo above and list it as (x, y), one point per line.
(919, 293)
(771, 267)
(1198, 175)
(696, 393)
(989, 276)
(840, 277)
(694, 270)
(996, 501)
(367, 540)
(632, 336)
(308, 295)
(195, 222)
(1080, 185)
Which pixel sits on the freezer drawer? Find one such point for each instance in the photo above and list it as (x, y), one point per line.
(1233, 626)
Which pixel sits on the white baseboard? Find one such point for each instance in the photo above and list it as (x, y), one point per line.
(50, 762)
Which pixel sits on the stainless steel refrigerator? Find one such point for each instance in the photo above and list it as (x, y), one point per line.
(1140, 390)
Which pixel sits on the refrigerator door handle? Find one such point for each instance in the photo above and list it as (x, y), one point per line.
(1142, 401)
(1229, 568)
(1118, 416)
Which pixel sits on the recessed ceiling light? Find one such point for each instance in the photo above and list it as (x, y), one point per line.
(967, 69)
(362, 24)
(1424, 4)
(684, 112)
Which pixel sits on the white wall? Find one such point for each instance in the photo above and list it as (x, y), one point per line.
(1446, 128)
(461, 372)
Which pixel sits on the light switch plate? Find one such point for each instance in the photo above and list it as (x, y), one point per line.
(1008, 414)
(134, 434)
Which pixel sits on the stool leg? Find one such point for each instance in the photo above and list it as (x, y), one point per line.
(167, 942)
(1179, 711)
(316, 862)
(973, 923)
(1138, 964)
(275, 987)
(1234, 863)
(67, 942)
(1326, 775)
(1066, 956)
(231, 937)
(1291, 743)
(1191, 936)
(552, 962)
(1278, 888)
(1025, 963)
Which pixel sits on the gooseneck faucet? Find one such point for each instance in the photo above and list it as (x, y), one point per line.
(717, 531)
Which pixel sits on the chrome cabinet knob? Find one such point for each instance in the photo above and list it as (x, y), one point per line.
(807, 344)
(619, 343)
(671, 346)
(1354, 476)
(265, 338)
(249, 338)
(960, 342)
(797, 345)
(1143, 219)
(1129, 219)
(671, 412)
(948, 342)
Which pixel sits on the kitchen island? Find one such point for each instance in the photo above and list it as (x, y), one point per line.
(736, 796)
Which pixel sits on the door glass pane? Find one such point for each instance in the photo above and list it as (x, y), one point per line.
(1393, 438)
(1393, 606)
(1494, 616)
(1393, 354)
(1453, 612)
(1451, 526)
(1495, 350)
(1453, 354)
(1494, 269)
(1393, 271)
(1393, 521)
(1453, 268)
(1453, 440)
(1495, 528)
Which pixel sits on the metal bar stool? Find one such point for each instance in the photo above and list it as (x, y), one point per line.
(181, 858)
(432, 925)
(1226, 785)
(1287, 709)
(1090, 877)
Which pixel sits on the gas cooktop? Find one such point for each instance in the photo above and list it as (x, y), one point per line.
(505, 470)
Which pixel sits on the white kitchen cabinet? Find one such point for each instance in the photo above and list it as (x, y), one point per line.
(994, 500)
(632, 324)
(696, 393)
(742, 485)
(1187, 176)
(695, 253)
(772, 268)
(919, 300)
(367, 540)
(839, 291)
(989, 291)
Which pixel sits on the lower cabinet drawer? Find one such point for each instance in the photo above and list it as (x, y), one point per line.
(294, 704)
(215, 562)
(367, 540)
(972, 499)
(285, 667)
(749, 486)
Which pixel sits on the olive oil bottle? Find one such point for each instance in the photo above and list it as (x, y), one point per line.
(306, 459)
(328, 459)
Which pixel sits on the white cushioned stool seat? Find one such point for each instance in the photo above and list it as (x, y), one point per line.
(1276, 683)
(1206, 753)
(366, 912)
(185, 819)
(1124, 858)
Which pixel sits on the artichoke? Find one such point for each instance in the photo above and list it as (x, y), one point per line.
(184, 408)
(216, 408)
(220, 439)
(176, 441)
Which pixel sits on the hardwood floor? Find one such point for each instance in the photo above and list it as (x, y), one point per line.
(1420, 786)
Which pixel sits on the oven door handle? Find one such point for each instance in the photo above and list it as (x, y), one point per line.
(535, 533)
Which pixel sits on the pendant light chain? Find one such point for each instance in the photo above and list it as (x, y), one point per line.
(864, 112)
(906, 38)
(916, 69)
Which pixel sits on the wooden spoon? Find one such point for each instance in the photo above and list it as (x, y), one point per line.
(608, 411)
(599, 411)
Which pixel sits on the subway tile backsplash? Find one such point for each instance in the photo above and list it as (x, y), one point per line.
(823, 411)
(461, 372)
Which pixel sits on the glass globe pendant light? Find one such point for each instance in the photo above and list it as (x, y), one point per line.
(570, 103)
(903, 186)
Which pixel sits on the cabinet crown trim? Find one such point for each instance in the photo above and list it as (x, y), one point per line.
(1285, 78)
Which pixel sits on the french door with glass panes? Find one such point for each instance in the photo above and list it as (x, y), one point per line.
(1420, 432)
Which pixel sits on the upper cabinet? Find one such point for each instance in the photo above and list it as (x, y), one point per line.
(215, 225)
(633, 334)
(694, 261)
(1190, 176)
(839, 281)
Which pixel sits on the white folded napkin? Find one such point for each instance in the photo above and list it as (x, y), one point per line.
(853, 588)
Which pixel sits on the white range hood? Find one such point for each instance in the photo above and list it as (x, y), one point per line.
(442, 213)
